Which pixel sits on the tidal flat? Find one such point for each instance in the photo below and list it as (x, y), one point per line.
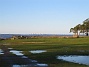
(54, 48)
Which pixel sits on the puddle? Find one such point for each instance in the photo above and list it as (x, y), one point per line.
(20, 66)
(37, 51)
(24, 57)
(18, 53)
(1, 51)
(42, 64)
(75, 59)
(31, 65)
(33, 60)
(20, 60)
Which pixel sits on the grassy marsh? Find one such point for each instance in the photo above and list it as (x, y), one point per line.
(54, 47)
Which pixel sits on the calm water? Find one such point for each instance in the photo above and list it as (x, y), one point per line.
(18, 59)
(31, 65)
(4, 36)
(1, 51)
(18, 53)
(37, 51)
(75, 59)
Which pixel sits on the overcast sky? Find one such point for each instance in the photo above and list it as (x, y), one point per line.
(41, 16)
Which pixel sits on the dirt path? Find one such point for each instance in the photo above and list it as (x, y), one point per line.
(10, 60)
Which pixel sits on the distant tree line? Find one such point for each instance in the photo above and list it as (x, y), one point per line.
(81, 28)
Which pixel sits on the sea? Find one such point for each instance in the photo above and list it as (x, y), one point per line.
(5, 36)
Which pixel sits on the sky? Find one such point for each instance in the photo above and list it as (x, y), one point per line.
(41, 16)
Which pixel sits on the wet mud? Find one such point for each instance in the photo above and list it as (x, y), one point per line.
(9, 58)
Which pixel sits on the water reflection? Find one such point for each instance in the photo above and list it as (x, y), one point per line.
(18, 53)
(42, 65)
(20, 66)
(76, 59)
(1, 51)
(24, 57)
(17, 60)
(37, 51)
(31, 65)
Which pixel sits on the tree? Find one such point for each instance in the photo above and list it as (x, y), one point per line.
(86, 26)
(81, 28)
(76, 30)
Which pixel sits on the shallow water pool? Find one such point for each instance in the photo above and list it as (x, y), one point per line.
(75, 59)
(1, 51)
(37, 51)
(18, 53)
(31, 65)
